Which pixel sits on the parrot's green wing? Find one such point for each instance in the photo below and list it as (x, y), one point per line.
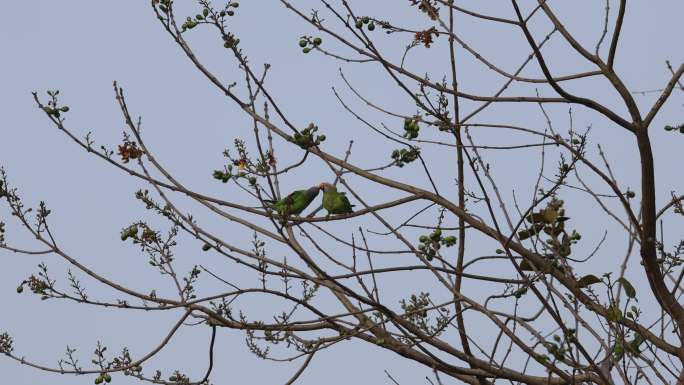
(343, 206)
(336, 202)
(296, 202)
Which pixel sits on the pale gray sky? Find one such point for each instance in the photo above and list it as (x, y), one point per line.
(80, 47)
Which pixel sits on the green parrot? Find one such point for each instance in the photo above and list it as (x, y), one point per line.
(335, 202)
(294, 203)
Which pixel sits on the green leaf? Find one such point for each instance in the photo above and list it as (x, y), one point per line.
(526, 233)
(614, 313)
(587, 280)
(629, 289)
(618, 351)
(635, 343)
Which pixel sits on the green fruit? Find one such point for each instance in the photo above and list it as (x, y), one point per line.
(64, 109)
(302, 43)
(205, 12)
(423, 238)
(20, 289)
(365, 19)
(318, 41)
(436, 235)
(371, 26)
(252, 181)
(108, 378)
(449, 241)
(99, 380)
(306, 50)
(631, 194)
(321, 138)
(359, 24)
(206, 247)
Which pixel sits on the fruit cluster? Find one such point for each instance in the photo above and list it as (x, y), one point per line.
(227, 174)
(370, 24)
(129, 232)
(430, 244)
(411, 128)
(679, 128)
(52, 109)
(207, 15)
(307, 137)
(104, 377)
(403, 156)
(307, 44)
(5, 343)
